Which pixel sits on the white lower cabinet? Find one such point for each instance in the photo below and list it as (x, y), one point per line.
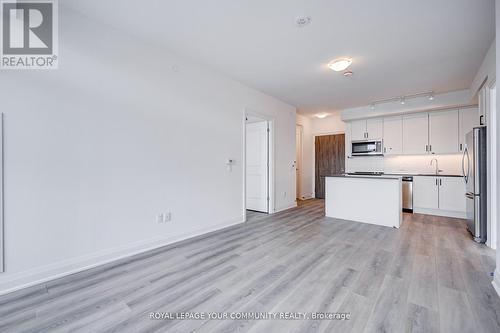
(452, 194)
(444, 196)
(425, 193)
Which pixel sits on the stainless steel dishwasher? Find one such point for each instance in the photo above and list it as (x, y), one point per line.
(407, 194)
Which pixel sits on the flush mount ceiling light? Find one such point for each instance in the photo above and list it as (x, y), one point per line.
(339, 65)
(302, 21)
(322, 115)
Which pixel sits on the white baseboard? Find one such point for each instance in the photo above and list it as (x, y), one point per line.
(496, 281)
(25, 279)
(440, 212)
(280, 209)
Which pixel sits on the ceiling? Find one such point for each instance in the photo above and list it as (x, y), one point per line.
(398, 46)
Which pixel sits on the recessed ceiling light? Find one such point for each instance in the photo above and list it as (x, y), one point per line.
(348, 73)
(431, 96)
(322, 115)
(402, 100)
(302, 21)
(372, 106)
(339, 65)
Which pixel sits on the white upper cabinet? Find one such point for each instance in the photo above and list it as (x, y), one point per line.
(393, 135)
(415, 134)
(443, 132)
(358, 130)
(467, 120)
(374, 128)
(367, 129)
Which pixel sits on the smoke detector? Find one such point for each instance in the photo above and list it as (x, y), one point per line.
(302, 21)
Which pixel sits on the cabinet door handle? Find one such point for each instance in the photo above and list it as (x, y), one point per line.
(481, 118)
(440, 182)
(460, 147)
(426, 147)
(436, 182)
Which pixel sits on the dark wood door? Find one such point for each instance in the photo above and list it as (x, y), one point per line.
(329, 159)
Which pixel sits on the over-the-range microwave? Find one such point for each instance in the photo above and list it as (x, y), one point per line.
(367, 148)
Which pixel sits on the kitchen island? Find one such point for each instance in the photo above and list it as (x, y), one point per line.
(367, 199)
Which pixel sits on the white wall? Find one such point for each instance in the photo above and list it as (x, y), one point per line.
(485, 73)
(312, 127)
(95, 149)
(496, 127)
(307, 174)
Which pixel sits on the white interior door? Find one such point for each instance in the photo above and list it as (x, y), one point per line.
(257, 161)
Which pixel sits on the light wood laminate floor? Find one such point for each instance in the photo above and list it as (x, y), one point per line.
(428, 276)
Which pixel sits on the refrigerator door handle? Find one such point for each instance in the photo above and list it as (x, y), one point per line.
(463, 168)
(466, 152)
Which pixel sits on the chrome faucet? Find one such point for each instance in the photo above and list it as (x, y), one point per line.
(437, 166)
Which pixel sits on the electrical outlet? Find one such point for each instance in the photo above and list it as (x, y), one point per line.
(167, 217)
(160, 218)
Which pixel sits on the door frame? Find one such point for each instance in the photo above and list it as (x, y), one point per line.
(299, 161)
(492, 132)
(314, 157)
(271, 159)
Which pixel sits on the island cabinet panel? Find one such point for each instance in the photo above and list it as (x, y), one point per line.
(425, 192)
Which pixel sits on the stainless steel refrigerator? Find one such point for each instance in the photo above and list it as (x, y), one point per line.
(474, 172)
